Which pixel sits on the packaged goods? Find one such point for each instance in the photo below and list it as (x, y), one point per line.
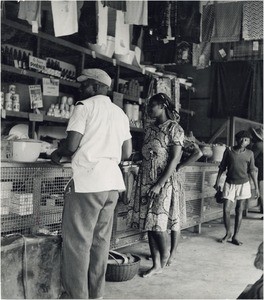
(23, 199)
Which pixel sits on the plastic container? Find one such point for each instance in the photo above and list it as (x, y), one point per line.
(128, 108)
(126, 58)
(107, 50)
(26, 150)
(218, 151)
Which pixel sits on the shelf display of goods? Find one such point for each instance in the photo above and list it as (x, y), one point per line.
(64, 109)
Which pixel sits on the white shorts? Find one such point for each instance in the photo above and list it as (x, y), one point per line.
(234, 192)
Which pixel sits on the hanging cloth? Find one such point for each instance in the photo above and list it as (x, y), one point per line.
(207, 22)
(136, 12)
(30, 11)
(122, 34)
(227, 26)
(65, 19)
(201, 55)
(252, 20)
(231, 88)
(188, 20)
(255, 109)
(88, 22)
(102, 21)
(118, 5)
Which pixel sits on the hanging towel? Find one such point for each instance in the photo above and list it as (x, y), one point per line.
(207, 22)
(201, 55)
(30, 11)
(252, 20)
(227, 26)
(136, 12)
(118, 5)
(64, 15)
(102, 23)
(122, 36)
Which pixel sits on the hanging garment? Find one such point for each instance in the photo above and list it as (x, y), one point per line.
(207, 22)
(252, 20)
(227, 26)
(136, 12)
(231, 88)
(158, 18)
(102, 22)
(189, 21)
(118, 5)
(30, 11)
(201, 55)
(88, 22)
(174, 18)
(122, 36)
(64, 14)
(255, 108)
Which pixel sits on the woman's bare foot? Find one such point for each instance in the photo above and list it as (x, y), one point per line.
(151, 272)
(225, 238)
(170, 260)
(235, 241)
(164, 260)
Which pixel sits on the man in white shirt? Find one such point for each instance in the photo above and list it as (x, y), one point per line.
(98, 137)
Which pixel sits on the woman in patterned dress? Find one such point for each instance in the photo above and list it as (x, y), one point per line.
(155, 205)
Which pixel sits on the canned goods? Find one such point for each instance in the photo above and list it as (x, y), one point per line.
(12, 89)
(8, 97)
(2, 99)
(8, 105)
(16, 106)
(15, 97)
(70, 100)
(64, 100)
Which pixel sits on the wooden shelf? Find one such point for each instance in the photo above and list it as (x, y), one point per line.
(25, 115)
(28, 73)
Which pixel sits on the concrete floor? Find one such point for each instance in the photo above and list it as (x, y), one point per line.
(203, 269)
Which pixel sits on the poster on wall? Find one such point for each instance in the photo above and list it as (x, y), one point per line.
(50, 87)
(35, 95)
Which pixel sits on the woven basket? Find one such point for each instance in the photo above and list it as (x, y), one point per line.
(122, 272)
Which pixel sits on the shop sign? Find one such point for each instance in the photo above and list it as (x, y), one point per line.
(37, 64)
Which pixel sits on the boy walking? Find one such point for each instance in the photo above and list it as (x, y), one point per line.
(239, 163)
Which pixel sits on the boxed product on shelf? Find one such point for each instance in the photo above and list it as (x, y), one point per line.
(22, 210)
(22, 199)
(6, 150)
(4, 210)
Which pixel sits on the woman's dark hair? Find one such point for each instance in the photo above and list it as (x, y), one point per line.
(163, 99)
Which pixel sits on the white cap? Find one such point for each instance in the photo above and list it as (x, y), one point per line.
(96, 74)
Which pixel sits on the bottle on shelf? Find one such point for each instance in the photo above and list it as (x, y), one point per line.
(15, 58)
(25, 59)
(2, 55)
(19, 58)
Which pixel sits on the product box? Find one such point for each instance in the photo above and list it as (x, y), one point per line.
(4, 210)
(6, 150)
(6, 185)
(22, 199)
(21, 210)
(121, 222)
(5, 202)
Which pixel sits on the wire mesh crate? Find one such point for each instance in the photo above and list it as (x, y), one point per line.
(32, 197)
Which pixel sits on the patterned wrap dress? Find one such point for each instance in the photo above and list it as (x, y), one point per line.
(164, 212)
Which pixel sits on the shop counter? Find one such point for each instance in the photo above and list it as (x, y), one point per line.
(32, 199)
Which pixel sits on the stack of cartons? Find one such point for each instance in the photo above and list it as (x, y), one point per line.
(22, 204)
(6, 196)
